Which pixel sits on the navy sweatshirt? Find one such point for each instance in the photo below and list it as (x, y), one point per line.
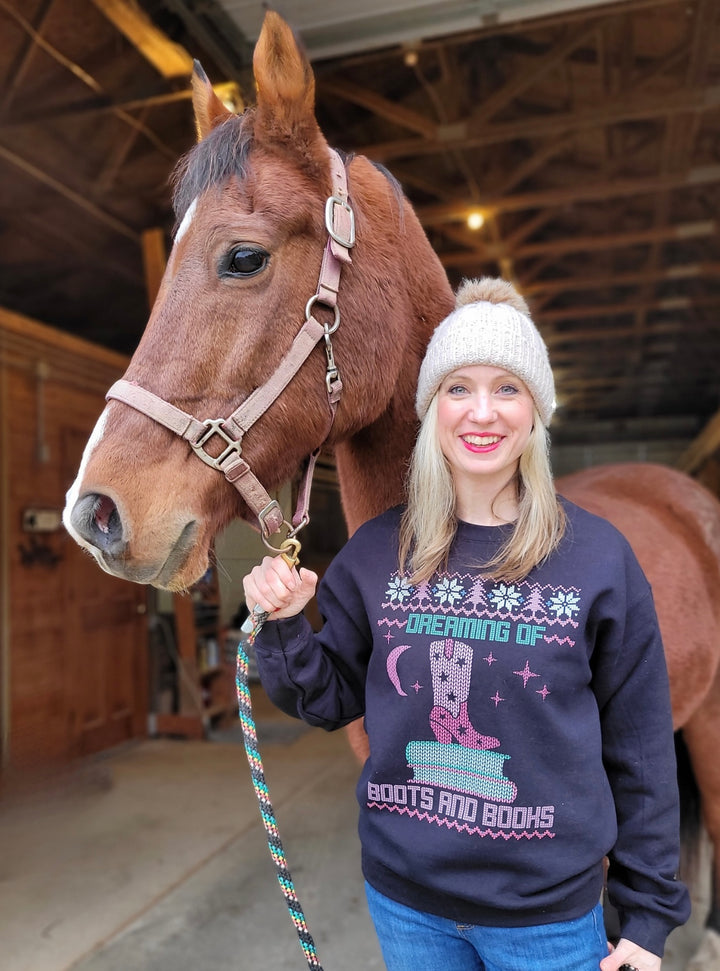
(519, 732)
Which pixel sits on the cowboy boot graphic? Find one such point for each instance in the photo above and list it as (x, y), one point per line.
(451, 669)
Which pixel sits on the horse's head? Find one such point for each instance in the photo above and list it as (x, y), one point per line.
(250, 202)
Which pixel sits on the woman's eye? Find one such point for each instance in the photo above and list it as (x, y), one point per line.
(246, 261)
(508, 389)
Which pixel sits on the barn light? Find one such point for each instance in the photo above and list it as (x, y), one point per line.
(230, 95)
(475, 220)
(410, 56)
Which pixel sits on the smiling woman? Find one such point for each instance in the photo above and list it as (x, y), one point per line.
(561, 704)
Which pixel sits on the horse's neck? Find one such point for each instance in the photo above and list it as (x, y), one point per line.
(372, 466)
(372, 463)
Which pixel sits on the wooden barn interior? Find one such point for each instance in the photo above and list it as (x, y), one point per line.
(583, 139)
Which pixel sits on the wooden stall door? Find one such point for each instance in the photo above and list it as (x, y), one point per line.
(107, 695)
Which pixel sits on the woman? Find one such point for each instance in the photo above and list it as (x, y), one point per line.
(503, 648)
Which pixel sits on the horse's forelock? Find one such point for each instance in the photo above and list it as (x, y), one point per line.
(220, 155)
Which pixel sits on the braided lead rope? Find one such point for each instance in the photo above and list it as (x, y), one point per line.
(266, 810)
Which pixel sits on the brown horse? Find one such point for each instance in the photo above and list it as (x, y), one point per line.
(262, 204)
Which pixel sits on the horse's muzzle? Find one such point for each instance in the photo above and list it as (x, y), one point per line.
(98, 525)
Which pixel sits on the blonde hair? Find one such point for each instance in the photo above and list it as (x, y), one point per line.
(429, 523)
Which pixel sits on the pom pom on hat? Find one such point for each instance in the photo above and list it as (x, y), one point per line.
(490, 325)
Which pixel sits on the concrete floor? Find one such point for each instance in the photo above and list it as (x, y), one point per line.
(153, 858)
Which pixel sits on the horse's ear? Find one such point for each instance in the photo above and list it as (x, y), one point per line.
(209, 109)
(283, 77)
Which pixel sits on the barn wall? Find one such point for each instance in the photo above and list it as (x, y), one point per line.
(73, 639)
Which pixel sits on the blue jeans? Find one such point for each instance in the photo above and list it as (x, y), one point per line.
(414, 941)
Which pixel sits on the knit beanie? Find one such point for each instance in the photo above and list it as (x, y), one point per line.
(490, 325)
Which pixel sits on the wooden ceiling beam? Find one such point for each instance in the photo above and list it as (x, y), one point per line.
(527, 228)
(584, 334)
(539, 158)
(680, 271)
(100, 105)
(23, 58)
(566, 17)
(526, 79)
(577, 244)
(379, 105)
(465, 135)
(581, 191)
(169, 59)
(75, 197)
(87, 79)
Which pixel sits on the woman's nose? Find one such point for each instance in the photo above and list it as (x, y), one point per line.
(482, 408)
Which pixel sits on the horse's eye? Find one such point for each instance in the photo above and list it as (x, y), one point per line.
(245, 261)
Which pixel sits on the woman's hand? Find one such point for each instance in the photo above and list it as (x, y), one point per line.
(626, 952)
(281, 590)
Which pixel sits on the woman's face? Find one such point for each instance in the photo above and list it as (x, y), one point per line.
(485, 416)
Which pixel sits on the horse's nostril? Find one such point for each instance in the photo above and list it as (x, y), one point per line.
(97, 521)
(105, 514)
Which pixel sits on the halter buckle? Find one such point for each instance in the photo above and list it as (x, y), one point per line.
(347, 241)
(214, 426)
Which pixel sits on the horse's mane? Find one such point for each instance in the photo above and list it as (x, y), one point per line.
(223, 153)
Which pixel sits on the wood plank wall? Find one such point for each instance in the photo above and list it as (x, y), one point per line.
(73, 640)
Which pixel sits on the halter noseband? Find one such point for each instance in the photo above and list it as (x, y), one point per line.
(340, 225)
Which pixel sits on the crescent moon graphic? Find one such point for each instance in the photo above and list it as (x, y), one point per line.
(392, 660)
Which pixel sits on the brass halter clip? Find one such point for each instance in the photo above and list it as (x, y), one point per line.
(289, 549)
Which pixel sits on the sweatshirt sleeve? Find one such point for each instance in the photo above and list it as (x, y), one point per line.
(320, 678)
(631, 686)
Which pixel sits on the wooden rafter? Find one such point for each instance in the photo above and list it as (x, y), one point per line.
(169, 59)
(465, 135)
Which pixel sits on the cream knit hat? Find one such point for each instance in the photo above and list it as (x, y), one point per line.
(490, 325)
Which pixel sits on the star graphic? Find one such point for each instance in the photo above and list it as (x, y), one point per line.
(444, 676)
(543, 691)
(417, 687)
(490, 659)
(389, 637)
(496, 698)
(461, 661)
(452, 696)
(526, 674)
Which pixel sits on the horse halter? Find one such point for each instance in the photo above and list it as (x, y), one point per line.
(340, 226)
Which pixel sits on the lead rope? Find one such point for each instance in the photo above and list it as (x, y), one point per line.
(340, 225)
(263, 797)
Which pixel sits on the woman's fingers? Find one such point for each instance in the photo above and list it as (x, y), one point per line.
(278, 588)
(270, 583)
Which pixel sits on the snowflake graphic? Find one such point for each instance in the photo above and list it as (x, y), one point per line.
(399, 590)
(448, 591)
(564, 604)
(506, 596)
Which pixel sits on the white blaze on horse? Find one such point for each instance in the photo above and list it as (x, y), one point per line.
(296, 305)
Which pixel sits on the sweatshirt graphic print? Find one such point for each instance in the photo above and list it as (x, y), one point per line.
(461, 776)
